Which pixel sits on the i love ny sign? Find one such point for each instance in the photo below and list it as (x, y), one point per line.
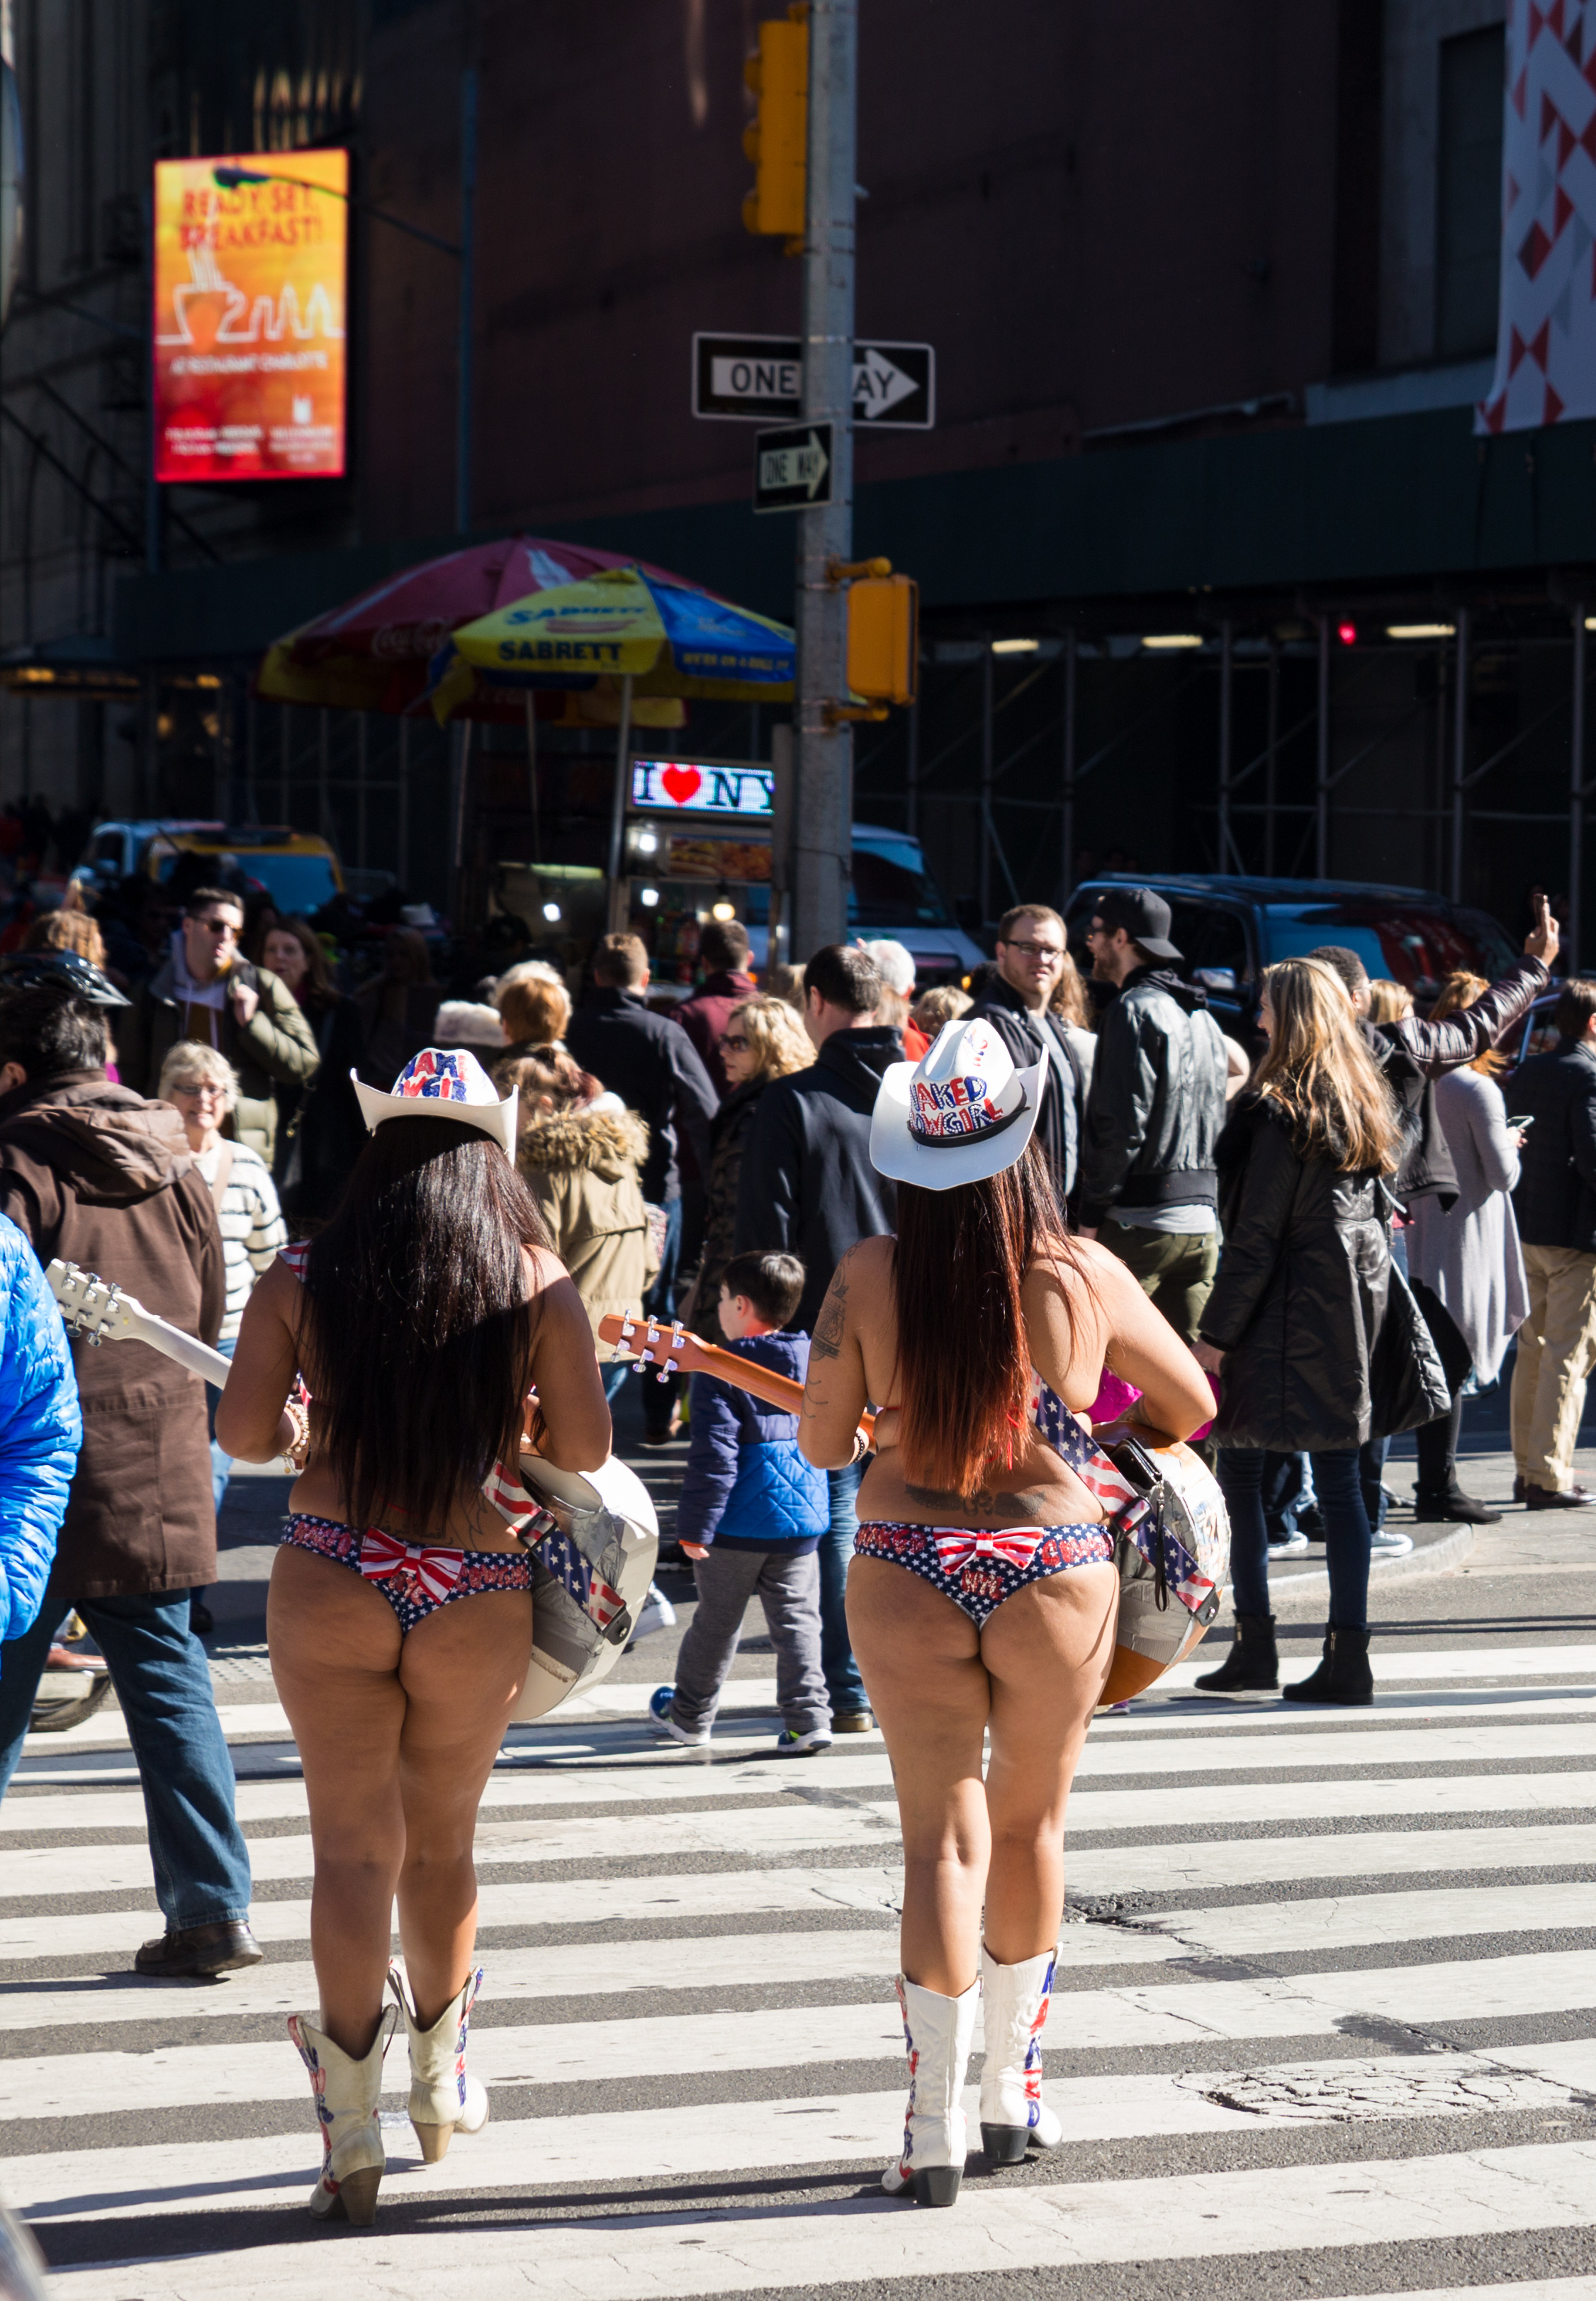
(701, 787)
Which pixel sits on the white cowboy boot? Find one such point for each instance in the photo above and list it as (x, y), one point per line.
(939, 2032)
(1014, 2116)
(442, 2097)
(346, 2093)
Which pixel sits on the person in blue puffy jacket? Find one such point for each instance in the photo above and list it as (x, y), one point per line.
(41, 1430)
(751, 1517)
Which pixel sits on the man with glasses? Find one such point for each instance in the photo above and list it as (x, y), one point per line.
(1154, 1112)
(1032, 956)
(206, 991)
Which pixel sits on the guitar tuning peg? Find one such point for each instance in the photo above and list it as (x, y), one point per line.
(670, 1366)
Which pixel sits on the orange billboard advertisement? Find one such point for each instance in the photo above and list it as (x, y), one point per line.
(249, 322)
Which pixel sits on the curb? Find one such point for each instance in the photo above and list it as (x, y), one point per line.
(1432, 1557)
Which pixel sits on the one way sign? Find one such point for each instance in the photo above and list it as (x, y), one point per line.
(760, 379)
(792, 468)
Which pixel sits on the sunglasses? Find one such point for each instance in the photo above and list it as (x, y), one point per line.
(218, 926)
(734, 1043)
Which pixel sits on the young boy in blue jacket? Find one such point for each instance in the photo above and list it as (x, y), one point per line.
(751, 1513)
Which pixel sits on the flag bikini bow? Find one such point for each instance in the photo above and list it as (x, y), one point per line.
(1016, 1549)
(435, 1568)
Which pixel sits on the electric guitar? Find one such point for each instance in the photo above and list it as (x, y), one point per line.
(674, 1350)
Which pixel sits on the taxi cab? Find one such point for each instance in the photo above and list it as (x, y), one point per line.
(298, 870)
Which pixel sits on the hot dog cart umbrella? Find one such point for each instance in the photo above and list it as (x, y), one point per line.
(628, 631)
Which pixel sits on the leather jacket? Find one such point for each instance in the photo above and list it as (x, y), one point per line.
(1157, 1103)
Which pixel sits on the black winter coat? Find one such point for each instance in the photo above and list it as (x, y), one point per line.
(1157, 1103)
(730, 1136)
(1555, 1203)
(1413, 1054)
(807, 1184)
(654, 1069)
(1301, 1303)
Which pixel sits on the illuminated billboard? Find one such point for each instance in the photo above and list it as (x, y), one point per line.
(249, 344)
(702, 787)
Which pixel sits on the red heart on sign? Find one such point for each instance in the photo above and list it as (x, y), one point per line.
(680, 783)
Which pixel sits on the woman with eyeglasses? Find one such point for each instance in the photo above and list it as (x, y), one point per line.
(763, 1040)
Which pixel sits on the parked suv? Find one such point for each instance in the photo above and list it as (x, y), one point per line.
(1228, 930)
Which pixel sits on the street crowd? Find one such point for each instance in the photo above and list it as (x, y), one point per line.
(997, 1214)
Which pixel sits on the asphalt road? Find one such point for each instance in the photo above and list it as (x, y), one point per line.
(1325, 2018)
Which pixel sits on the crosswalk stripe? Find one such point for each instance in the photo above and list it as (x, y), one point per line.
(1390, 1660)
(596, 1838)
(1306, 2209)
(1288, 1928)
(1440, 1745)
(630, 2046)
(1181, 1865)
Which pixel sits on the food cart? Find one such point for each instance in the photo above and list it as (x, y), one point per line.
(700, 842)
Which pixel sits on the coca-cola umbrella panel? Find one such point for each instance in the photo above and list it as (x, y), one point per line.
(372, 653)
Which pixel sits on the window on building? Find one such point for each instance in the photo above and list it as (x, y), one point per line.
(1468, 192)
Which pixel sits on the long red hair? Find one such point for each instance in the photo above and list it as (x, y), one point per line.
(963, 1362)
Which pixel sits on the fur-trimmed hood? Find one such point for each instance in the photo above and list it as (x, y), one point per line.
(604, 1142)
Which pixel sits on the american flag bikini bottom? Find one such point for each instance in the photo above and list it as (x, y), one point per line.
(415, 1577)
(978, 1569)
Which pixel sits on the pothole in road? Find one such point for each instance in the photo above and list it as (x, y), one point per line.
(1367, 2093)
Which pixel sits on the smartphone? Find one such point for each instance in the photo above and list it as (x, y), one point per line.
(1521, 1122)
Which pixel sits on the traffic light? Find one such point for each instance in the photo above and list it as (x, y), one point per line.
(777, 141)
(883, 637)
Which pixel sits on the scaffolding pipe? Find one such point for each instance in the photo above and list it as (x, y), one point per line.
(531, 773)
(1271, 748)
(404, 872)
(986, 779)
(913, 786)
(1459, 754)
(1322, 777)
(1576, 791)
(1226, 668)
(1068, 829)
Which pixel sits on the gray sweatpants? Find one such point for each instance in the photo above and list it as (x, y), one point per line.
(789, 1590)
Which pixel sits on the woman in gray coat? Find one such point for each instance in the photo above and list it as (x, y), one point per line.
(1467, 1254)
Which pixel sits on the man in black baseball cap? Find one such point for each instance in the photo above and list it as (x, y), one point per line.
(1154, 1111)
(1144, 916)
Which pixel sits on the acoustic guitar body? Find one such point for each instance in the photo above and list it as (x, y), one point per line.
(606, 1516)
(1149, 1639)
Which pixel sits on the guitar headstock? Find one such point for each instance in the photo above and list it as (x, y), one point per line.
(91, 1307)
(667, 1346)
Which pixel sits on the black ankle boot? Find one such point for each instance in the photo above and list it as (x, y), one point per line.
(1451, 1506)
(1251, 1666)
(1344, 1674)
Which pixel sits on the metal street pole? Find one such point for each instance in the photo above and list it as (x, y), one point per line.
(468, 232)
(823, 753)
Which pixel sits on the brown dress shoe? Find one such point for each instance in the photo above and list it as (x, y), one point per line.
(1550, 1498)
(854, 1721)
(201, 1951)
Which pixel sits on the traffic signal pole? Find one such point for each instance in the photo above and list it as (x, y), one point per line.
(823, 747)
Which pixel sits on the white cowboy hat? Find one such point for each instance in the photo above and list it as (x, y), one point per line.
(960, 1113)
(443, 1083)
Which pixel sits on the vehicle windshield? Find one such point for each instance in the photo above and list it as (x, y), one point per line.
(891, 887)
(295, 883)
(1405, 944)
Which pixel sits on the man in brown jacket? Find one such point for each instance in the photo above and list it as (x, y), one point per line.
(92, 1173)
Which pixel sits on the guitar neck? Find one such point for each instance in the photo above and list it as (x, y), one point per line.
(187, 1350)
(655, 1346)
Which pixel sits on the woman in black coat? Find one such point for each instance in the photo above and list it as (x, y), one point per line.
(762, 1039)
(1313, 1335)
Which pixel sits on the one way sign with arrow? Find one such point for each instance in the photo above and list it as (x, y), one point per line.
(792, 468)
(760, 379)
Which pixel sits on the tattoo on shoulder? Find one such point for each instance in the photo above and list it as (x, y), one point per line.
(826, 1342)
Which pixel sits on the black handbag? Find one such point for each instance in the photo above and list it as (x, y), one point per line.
(1408, 1384)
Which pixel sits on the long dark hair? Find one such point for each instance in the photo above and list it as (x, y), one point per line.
(419, 1347)
(964, 1365)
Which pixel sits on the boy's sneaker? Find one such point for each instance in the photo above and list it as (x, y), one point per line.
(656, 1613)
(659, 1710)
(1287, 1542)
(789, 1745)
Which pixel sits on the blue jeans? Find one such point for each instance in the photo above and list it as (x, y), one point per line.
(220, 1464)
(162, 1681)
(615, 1378)
(844, 1685)
(1347, 1536)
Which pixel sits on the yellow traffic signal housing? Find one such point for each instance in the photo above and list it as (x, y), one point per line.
(777, 142)
(883, 637)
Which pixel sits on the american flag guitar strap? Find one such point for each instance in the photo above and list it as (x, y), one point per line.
(1131, 1512)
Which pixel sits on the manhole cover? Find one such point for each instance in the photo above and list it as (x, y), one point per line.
(1360, 2093)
